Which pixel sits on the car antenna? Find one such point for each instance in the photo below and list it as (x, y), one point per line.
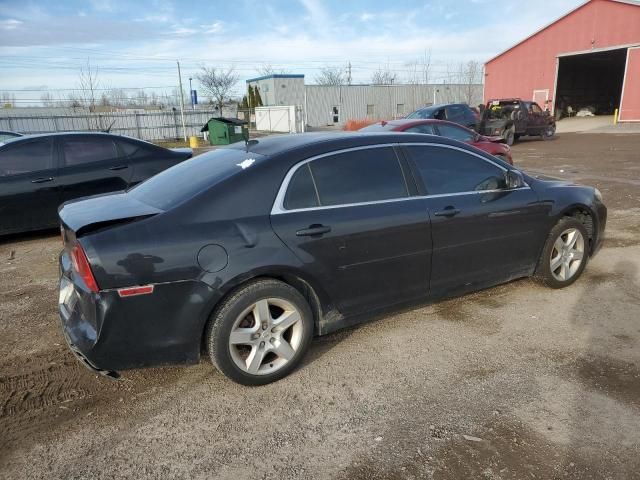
(247, 142)
(108, 130)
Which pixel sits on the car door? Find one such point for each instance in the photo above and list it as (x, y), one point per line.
(349, 217)
(537, 119)
(29, 193)
(483, 233)
(91, 164)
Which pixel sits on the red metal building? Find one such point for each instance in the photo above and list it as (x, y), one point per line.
(588, 57)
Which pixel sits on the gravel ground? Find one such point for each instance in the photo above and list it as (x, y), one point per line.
(513, 382)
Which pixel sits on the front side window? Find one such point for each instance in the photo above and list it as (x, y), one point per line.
(82, 150)
(136, 149)
(359, 176)
(456, 133)
(26, 157)
(447, 170)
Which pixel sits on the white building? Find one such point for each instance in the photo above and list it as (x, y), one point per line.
(325, 105)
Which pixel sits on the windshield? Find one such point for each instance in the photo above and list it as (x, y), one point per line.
(501, 109)
(185, 180)
(422, 113)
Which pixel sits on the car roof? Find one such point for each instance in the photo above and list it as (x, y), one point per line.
(278, 144)
(28, 137)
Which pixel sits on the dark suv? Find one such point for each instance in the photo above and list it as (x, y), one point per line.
(459, 113)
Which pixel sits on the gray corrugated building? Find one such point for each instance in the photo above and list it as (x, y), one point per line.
(334, 105)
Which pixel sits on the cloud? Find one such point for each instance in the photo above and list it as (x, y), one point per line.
(214, 28)
(10, 24)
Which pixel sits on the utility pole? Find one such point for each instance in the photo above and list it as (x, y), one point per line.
(184, 127)
(349, 73)
(193, 105)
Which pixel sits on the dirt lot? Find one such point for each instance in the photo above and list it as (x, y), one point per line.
(511, 383)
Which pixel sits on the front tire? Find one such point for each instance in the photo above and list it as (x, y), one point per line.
(548, 132)
(565, 254)
(260, 333)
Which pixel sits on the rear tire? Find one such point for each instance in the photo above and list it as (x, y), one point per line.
(260, 332)
(565, 254)
(509, 136)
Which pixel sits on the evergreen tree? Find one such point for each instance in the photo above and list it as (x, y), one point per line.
(252, 97)
(245, 103)
(258, 98)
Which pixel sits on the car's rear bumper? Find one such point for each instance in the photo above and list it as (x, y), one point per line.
(108, 333)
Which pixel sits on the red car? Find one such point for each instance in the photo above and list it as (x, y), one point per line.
(491, 145)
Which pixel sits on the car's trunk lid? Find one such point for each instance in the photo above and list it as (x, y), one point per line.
(90, 214)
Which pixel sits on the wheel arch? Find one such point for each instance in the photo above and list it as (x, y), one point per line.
(316, 296)
(585, 215)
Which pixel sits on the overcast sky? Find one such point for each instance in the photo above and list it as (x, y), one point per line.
(135, 44)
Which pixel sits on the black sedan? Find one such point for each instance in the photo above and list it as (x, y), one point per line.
(40, 172)
(247, 253)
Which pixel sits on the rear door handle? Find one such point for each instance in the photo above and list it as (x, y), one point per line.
(313, 230)
(42, 180)
(119, 167)
(447, 212)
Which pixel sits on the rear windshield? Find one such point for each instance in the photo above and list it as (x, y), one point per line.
(185, 180)
(378, 127)
(501, 109)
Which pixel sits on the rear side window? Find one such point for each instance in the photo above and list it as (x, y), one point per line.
(26, 157)
(133, 149)
(456, 133)
(301, 192)
(359, 176)
(82, 150)
(447, 170)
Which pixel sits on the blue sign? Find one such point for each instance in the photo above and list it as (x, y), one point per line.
(194, 97)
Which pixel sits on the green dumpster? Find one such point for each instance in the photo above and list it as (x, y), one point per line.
(223, 131)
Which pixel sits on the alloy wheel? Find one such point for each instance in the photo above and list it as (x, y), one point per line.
(266, 336)
(567, 254)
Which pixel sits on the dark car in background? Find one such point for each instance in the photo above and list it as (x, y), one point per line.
(513, 118)
(491, 145)
(40, 172)
(7, 135)
(246, 252)
(459, 113)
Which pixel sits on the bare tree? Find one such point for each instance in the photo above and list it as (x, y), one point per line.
(8, 99)
(218, 84)
(89, 84)
(267, 69)
(330, 76)
(471, 76)
(384, 76)
(47, 99)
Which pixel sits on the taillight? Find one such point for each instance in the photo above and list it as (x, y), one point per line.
(82, 268)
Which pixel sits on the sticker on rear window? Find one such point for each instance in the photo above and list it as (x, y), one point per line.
(246, 163)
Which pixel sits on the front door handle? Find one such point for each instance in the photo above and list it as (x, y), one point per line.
(448, 212)
(313, 230)
(42, 180)
(119, 167)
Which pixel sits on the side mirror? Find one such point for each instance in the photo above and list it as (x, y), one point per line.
(513, 179)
